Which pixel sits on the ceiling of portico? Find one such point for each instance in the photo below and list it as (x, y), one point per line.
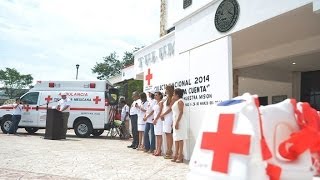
(280, 41)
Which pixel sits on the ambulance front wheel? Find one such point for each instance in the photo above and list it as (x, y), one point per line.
(31, 130)
(6, 124)
(83, 128)
(97, 132)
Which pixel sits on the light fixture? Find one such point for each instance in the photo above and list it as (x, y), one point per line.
(294, 63)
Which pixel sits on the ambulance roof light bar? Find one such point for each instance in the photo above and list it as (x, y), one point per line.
(92, 85)
(51, 84)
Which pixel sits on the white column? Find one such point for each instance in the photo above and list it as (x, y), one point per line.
(316, 6)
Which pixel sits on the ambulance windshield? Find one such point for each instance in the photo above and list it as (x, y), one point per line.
(30, 98)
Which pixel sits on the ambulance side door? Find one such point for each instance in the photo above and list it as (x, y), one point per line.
(29, 116)
(47, 98)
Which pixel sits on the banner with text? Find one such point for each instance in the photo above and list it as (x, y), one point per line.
(205, 75)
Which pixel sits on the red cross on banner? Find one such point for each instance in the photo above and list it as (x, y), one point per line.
(224, 142)
(48, 99)
(27, 108)
(149, 76)
(97, 99)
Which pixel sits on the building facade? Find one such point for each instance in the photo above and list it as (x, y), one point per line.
(217, 49)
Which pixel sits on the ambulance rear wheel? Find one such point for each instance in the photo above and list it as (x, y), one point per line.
(83, 128)
(31, 130)
(6, 124)
(97, 132)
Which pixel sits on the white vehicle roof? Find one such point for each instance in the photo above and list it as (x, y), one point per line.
(95, 85)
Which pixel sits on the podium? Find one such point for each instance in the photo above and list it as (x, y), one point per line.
(56, 127)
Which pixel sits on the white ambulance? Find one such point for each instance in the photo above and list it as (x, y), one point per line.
(93, 104)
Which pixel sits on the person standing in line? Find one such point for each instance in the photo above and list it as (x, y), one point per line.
(64, 106)
(167, 118)
(134, 120)
(141, 123)
(157, 122)
(125, 118)
(16, 116)
(149, 144)
(179, 125)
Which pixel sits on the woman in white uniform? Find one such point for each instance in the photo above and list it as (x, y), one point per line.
(179, 125)
(157, 122)
(167, 118)
(142, 108)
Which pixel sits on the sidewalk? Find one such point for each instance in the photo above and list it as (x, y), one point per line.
(32, 157)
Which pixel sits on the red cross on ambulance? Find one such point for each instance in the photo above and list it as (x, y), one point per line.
(48, 99)
(27, 108)
(96, 99)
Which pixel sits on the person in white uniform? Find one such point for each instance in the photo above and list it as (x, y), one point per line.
(158, 131)
(125, 118)
(64, 107)
(142, 107)
(179, 124)
(167, 118)
(16, 116)
(149, 137)
(134, 120)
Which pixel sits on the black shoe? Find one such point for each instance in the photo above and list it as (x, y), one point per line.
(131, 146)
(135, 147)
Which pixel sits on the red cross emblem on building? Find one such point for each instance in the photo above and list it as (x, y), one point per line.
(224, 142)
(27, 108)
(97, 99)
(149, 76)
(48, 99)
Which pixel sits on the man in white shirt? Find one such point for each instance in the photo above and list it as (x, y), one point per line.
(16, 116)
(134, 119)
(64, 107)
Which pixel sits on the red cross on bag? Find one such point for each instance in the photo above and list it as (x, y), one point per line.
(224, 142)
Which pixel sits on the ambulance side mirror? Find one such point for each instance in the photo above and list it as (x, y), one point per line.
(37, 108)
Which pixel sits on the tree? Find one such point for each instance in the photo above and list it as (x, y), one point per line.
(14, 82)
(127, 87)
(110, 67)
(127, 59)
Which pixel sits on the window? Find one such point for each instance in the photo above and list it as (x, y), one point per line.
(31, 98)
(186, 3)
(310, 88)
(170, 30)
(263, 100)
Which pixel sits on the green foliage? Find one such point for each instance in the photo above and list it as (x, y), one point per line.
(14, 82)
(126, 88)
(128, 59)
(110, 67)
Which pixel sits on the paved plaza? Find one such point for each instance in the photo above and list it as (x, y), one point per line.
(32, 157)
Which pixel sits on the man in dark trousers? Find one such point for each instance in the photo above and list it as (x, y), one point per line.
(64, 107)
(134, 119)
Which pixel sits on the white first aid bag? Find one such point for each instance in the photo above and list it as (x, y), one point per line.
(240, 141)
